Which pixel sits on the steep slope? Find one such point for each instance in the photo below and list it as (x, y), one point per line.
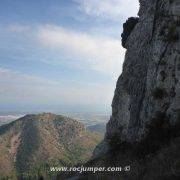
(144, 129)
(36, 141)
(149, 83)
(149, 87)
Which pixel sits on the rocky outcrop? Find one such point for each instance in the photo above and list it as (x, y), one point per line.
(150, 81)
(128, 26)
(144, 129)
(145, 121)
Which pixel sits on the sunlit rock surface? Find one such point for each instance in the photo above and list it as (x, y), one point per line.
(149, 82)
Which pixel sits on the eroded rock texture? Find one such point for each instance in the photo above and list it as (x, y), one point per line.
(150, 81)
(144, 129)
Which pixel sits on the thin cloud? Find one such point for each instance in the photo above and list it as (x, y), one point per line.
(16, 86)
(109, 9)
(78, 50)
(98, 53)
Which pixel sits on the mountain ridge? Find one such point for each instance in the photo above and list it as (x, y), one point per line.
(34, 141)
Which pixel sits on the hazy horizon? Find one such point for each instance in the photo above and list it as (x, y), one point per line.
(61, 55)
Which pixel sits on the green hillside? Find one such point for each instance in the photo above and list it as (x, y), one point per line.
(33, 143)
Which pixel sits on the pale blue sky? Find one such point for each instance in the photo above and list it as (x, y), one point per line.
(61, 54)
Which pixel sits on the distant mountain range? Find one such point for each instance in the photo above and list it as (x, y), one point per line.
(88, 119)
(101, 128)
(35, 142)
(4, 119)
(91, 119)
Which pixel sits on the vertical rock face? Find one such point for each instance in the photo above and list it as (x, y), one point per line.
(150, 81)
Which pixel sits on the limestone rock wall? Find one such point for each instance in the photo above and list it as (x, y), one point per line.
(150, 81)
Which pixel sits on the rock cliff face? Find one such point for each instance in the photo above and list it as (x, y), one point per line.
(144, 129)
(150, 81)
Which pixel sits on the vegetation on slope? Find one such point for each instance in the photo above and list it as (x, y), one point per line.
(34, 143)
